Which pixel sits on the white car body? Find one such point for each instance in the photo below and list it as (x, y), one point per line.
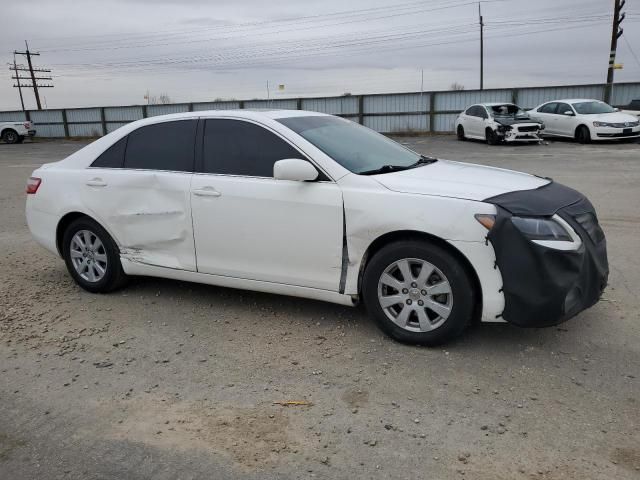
(476, 119)
(15, 132)
(562, 119)
(283, 233)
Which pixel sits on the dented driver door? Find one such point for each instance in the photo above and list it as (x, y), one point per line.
(145, 205)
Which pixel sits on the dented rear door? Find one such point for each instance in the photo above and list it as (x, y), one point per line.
(145, 204)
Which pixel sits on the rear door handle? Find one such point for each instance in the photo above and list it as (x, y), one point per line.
(96, 182)
(207, 192)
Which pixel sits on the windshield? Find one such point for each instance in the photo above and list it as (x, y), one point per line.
(356, 148)
(507, 110)
(593, 108)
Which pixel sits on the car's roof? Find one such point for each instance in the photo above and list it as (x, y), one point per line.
(574, 100)
(495, 104)
(255, 114)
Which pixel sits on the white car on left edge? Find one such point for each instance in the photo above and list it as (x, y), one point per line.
(586, 120)
(316, 206)
(497, 122)
(16, 132)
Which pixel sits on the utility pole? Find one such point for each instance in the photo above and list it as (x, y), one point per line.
(481, 46)
(616, 33)
(32, 74)
(15, 68)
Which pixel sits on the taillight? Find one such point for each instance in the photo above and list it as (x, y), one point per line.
(32, 184)
(27, 125)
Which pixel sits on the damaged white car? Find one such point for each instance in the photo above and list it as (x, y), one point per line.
(496, 123)
(316, 206)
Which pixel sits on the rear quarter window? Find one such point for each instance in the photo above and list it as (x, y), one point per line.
(112, 157)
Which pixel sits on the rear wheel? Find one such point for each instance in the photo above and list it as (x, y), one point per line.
(92, 257)
(418, 293)
(460, 133)
(10, 136)
(583, 135)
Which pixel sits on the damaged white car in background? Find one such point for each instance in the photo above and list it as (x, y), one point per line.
(496, 123)
(316, 206)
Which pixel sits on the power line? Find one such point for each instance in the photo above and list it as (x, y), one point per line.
(633, 53)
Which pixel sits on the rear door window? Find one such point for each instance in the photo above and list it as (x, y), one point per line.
(162, 146)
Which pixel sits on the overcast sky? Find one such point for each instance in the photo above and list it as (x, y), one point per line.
(110, 52)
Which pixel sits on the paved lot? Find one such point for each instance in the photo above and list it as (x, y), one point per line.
(168, 380)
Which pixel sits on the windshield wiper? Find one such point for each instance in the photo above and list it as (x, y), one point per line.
(424, 160)
(384, 169)
(397, 168)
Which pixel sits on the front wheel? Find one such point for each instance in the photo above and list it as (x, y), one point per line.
(418, 293)
(92, 257)
(492, 137)
(583, 135)
(460, 133)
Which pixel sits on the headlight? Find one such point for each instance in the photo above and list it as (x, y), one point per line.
(603, 124)
(541, 229)
(552, 232)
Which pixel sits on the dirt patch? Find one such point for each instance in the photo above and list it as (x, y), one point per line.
(356, 398)
(250, 436)
(8, 445)
(628, 458)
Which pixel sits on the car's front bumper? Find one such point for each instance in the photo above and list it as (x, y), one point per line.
(608, 132)
(545, 286)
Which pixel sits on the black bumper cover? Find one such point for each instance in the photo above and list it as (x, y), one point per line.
(544, 286)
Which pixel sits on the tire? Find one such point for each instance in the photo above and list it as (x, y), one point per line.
(453, 309)
(10, 136)
(98, 269)
(583, 135)
(460, 133)
(492, 138)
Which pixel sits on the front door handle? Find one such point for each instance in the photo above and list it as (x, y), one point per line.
(207, 192)
(96, 182)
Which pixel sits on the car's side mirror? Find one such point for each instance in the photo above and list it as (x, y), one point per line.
(568, 113)
(294, 169)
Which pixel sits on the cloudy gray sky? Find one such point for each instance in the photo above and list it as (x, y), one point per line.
(110, 52)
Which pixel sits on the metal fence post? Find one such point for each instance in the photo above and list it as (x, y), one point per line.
(65, 124)
(361, 109)
(299, 104)
(514, 96)
(432, 112)
(189, 107)
(241, 104)
(144, 111)
(103, 121)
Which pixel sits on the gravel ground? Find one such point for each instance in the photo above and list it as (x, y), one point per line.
(172, 380)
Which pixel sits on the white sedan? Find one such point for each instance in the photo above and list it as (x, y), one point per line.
(586, 120)
(312, 205)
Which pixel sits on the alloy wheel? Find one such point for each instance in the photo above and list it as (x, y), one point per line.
(415, 295)
(88, 256)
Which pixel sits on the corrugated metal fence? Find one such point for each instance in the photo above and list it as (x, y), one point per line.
(387, 113)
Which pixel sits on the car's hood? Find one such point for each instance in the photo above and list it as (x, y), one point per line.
(445, 178)
(615, 117)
